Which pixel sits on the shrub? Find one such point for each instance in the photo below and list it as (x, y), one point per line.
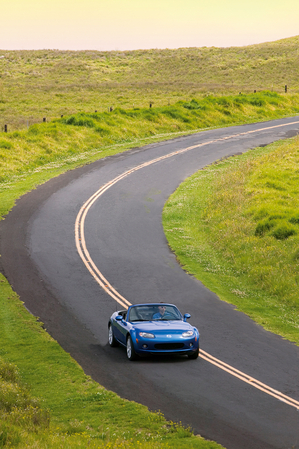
(274, 185)
(103, 131)
(5, 144)
(294, 219)
(151, 116)
(194, 104)
(257, 102)
(283, 231)
(264, 226)
(174, 113)
(80, 120)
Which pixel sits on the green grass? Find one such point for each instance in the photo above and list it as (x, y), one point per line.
(235, 226)
(72, 410)
(49, 83)
(186, 88)
(44, 148)
(75, 410)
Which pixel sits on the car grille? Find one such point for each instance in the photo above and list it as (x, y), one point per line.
(169, 346)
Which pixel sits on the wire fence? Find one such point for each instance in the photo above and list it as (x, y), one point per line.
(21, 123)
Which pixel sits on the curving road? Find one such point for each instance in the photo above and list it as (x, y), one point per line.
(124, 240)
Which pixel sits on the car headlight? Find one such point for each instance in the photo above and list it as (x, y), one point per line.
(188, 334)
(146, 335)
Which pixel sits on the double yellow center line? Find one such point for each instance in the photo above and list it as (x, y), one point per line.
(249, 380)
(110, 290)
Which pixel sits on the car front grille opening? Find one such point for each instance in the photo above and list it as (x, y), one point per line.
(169, 346)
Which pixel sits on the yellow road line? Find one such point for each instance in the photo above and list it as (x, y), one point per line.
(105, 284)
(248, 379)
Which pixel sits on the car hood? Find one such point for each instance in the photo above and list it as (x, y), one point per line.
(162, 325)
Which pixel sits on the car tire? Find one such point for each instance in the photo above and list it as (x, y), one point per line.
(194, 355)
(131, 354)
(111, 339)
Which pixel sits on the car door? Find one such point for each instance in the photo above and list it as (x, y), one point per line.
(121, 329)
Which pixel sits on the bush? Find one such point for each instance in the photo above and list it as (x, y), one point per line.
(283, 231)
(80, 120)
(5, 144)
(175, 114)
(194, 104)
(264, 226)
(294, 219)
(151, 116)
(257, 102)
(104, 131)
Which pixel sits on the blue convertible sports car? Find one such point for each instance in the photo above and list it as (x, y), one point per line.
(153, 329)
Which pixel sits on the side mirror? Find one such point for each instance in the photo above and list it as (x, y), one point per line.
(119, 318)
(187, 316)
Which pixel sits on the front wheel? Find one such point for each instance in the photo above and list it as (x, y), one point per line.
(131, 354)
(111, 339)
(194, 355)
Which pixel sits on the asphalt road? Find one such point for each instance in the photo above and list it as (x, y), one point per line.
(125, 238)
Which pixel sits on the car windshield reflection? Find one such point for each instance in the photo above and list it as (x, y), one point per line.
(154, 312)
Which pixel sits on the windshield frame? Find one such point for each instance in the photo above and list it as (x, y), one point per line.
(146, 312)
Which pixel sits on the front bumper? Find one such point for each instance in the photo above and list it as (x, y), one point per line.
(181, 346)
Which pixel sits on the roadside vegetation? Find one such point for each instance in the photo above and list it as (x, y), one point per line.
(235, 226)
(73, 411)
(30, 157)
(186, 88)
(50, 83)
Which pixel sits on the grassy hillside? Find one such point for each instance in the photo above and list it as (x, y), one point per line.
(29, 158)
(235, 226)
(72, 410)
(49, 83)
(48, 146)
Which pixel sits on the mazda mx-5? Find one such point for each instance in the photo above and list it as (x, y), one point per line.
(154, 328)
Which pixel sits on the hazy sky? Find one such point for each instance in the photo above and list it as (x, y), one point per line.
(143, 24)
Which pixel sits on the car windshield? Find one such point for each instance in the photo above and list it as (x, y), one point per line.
(154, 312)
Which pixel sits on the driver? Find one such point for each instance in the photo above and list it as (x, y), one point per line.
(161, 314)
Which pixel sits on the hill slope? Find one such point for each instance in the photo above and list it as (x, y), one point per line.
(49, 83)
